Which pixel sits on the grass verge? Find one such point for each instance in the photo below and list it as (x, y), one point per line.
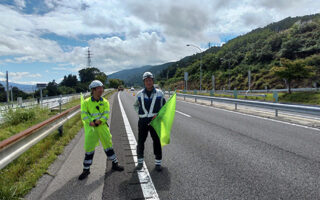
(20, 119)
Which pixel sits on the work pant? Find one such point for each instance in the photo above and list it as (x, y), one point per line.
(89, 157)
(142, 136)
(92, 137)
(95, 134)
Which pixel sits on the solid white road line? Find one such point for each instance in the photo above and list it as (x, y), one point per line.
(183, 113)
(253, 116)
(148, 189)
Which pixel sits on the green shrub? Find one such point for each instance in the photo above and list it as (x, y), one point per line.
(20, 115)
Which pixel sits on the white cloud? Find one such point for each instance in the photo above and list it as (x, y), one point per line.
(18, 76)
(64, 69)
(20, 3)
(154, 31)
(22, 82)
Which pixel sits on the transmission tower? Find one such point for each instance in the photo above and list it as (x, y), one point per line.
(89, 58)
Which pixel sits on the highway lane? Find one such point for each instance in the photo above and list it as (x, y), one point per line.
(217, 154)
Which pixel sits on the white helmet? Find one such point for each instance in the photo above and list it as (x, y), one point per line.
(147, 75)
(94, 84)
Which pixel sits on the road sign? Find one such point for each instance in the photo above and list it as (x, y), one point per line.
(275, 97)
(249, 80)
(41, 85)
(186, 80)
(213, 83)
(186, 76)
(235, 93)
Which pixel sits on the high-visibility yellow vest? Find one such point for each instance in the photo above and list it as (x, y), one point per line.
(92, 110)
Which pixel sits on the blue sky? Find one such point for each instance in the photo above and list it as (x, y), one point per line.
(45, 40)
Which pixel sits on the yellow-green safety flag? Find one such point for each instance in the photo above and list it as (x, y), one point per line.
(162, 124)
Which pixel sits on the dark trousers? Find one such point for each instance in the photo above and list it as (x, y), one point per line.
(144, 128)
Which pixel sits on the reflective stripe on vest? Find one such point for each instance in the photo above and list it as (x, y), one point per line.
(150, 113)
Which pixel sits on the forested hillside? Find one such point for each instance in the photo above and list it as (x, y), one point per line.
(291, 46)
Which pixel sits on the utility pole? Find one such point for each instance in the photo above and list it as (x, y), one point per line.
(186, 74)
(200, 69)
(188, 45)
(7, 81)
(213, 83)
(249, 79)
(11, 94)
(229, 74)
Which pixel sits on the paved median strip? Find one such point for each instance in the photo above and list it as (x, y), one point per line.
(148, 189)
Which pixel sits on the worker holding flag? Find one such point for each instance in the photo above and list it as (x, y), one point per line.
(94, 114)
(148, 103)
(163, 122)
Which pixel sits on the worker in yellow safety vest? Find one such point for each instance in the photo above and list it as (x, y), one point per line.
(94, 114)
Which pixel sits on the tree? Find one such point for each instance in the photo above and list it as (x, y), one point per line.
(2, 89)
(52, 88)
(66, 90)
(290, 47)
(101, 77)
(292, 70)
(91, 73)
(315, 62)
(3, 94)
(82, 87)
(115, 83)
(70, 81)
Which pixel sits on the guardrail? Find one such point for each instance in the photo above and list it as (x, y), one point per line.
(49, 103)
(241, 94)
(46, 102)
(14, 146)
(311, 110)
(225, 92)
(261, 91)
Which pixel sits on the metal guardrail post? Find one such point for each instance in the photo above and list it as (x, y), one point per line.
(235, 94)
(275, 100)
(60, 129)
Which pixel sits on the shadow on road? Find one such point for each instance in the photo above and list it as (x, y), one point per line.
(161, 180)
(75, 189)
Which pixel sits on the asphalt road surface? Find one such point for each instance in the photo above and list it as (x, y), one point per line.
(214, 154)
